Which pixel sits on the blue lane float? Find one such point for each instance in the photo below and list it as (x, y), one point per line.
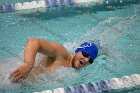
(9, 8)
(93, 87)
(70, 89)
(103, 86)
(82, 88)
(2, 9)
(57, 3)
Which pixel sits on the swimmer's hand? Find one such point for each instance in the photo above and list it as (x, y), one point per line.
(20, 73)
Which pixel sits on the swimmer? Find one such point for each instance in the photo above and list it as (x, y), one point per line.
(56, 56)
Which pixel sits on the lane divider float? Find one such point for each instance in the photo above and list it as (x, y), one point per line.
(105, 86)
(57, 3)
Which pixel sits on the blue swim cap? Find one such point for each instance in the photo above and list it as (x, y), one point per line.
(90, 48)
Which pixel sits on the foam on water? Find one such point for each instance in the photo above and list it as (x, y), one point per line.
(71, 46)
(59, 78)
(116, 37)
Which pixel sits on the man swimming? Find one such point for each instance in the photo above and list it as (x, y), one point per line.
(57, 56)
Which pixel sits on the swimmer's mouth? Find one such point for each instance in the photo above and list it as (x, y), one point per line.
(81, 63)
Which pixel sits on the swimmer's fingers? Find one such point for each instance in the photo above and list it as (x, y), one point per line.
(18, 78)
(14, 80)
(14, 76)
(13, 73)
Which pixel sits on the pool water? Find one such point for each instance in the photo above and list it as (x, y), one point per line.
(116, 28)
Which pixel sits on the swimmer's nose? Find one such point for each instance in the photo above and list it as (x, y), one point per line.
(86, 60)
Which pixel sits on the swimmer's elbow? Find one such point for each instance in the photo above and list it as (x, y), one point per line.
(33, 42)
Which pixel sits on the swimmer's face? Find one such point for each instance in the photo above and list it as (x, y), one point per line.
(81, 59)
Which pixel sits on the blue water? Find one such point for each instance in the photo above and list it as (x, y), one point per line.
(116, 28)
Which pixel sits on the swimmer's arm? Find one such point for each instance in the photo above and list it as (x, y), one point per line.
(35, 45)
